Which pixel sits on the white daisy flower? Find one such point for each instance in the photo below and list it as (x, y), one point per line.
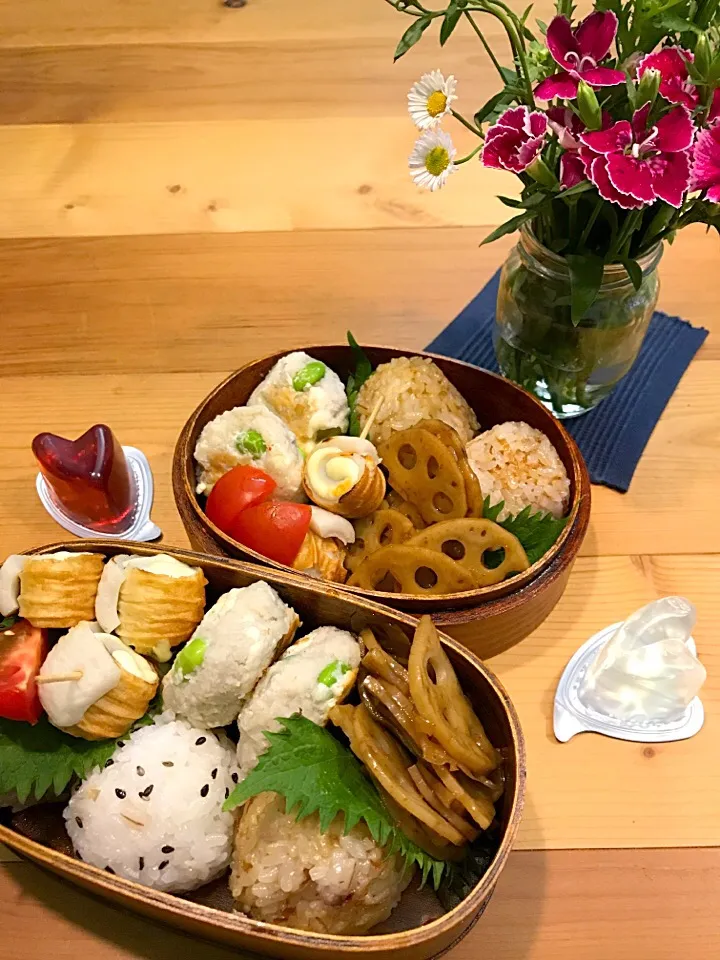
(431, 161)
(430, 98)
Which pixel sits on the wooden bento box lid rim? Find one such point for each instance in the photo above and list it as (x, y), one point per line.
(192, 513)
(128, 890)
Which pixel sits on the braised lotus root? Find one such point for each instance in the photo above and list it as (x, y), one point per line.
(445, 433)
(452, 816)
(412, 570)
(439, 698)
(426, 472)
(380, 663)
(342, 475)
(382, 528)
(322, 557)
(395, 711)
(394, 501)
(388, 764)
(473, 796)
(469, 542)
(423, 836)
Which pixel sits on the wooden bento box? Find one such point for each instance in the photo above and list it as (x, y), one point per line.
(488, 620)
(38, 831)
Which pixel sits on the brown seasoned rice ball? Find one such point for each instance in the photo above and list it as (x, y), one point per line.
(287, 872)
(413, 389)
(516, 463)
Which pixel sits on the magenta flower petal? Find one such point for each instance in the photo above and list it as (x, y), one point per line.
(614, 139)
(561, 40)
(599, 176)
(572, 170)
(640, 121)
(561, 85)
(515, 140)
(631, 177)
(675, 84)
(714, 107)
(671, 176)
(596, 34)
(675, 131)
(706, 163)
(602, 77)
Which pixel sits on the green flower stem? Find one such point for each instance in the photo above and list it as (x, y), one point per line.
(487, 46)
(590, 223)
(472, 153)
(511, 24)
(466, 123)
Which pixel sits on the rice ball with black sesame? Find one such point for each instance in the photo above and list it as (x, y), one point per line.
(154, 813)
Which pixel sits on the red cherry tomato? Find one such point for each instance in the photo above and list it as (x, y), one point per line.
(22, 651)
(235, 491)
(275, 529)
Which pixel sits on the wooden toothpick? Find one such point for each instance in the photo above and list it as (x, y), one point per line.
(371, 418)
(60, 677)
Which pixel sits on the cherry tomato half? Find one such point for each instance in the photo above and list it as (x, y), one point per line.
(275, 529)
(235, 491)
(22, 651)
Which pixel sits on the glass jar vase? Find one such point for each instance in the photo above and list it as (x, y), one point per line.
(570, 368)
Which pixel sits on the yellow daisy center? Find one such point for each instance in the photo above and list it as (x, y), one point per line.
(436, 103)
(437, 160)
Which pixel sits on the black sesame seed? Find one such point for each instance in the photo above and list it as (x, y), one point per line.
(227, 792)
(109, 763)
(140, 771)
(120, 794)
(141, 863)
(168, 849)
(121, 743)
(205, 790)
(144, 794)
(78, 821)
(168, 763)
(200, 741)
(235, 778)
(214, 773)
(109, 870)
(163, 864)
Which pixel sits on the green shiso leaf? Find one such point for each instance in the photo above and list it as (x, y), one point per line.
(363, 370)
(34, 759)
(315, 773)
(537, 532)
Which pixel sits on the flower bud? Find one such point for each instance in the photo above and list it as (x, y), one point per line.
(588, 107)
(703, 55)
(541, 173)
(648, 88)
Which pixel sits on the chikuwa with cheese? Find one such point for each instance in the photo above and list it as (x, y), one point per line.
(342, 475)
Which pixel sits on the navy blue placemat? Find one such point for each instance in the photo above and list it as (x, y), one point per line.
(613, 436)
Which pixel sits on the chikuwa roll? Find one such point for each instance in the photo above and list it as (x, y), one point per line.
(307, 396)
(237, 640)
(323, 551)
(91, 685)
(311, 677)
(152, 603)
(343, 475)
(251, 436)
(51, 590)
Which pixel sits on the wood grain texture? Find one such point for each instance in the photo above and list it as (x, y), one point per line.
(560, 905)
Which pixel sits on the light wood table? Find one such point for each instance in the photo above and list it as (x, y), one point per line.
(185, 186)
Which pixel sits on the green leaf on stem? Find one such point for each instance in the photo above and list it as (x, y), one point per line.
(411, 36)
(510, 226)
(450, 20)
(575, 191)
(634, 271)
(492, 109)
(675, 24)
(586, 273)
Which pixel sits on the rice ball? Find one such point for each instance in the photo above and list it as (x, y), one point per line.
(251, 436)
(307, 396)
(290, 873)
(154, 813)
(516, 463)
(412, 389)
